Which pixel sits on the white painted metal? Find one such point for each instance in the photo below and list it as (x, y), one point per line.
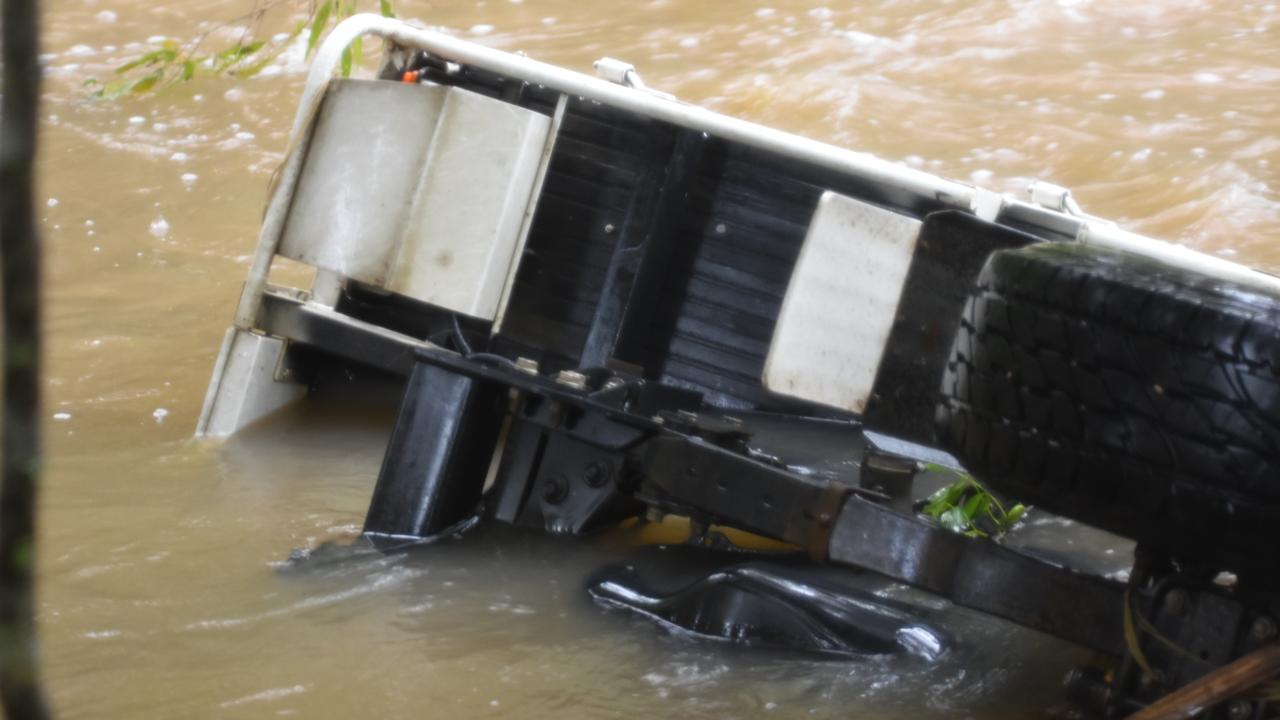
(419, 189)
(1110, 236)
(841, 303)
(987, 204)
(358, 178)
(1053, 197)
(244, 388)
(326, 288)
(460, 243)
(618, 72)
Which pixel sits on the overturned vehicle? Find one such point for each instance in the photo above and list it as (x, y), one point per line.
(602, 304)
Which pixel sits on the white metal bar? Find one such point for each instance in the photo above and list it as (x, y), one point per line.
(215, 382)
(1109, 236)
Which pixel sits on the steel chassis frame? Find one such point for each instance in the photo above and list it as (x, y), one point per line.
(581, 451)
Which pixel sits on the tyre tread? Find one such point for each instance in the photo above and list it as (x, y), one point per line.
(1133, 395)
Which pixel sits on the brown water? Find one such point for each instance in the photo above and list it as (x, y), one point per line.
(160, 595)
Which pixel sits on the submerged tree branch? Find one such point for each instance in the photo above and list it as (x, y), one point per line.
(20, 694)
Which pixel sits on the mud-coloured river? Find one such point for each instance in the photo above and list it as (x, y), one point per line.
(160, 592)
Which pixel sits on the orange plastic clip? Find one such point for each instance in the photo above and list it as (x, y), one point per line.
(410, 76)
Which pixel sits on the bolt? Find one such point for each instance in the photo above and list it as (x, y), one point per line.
(573, 379)
(596, 474)
(1239, 710)
(527, 365)
(1264, 628)
(554, 490)
(613, 382)
(1177, 602)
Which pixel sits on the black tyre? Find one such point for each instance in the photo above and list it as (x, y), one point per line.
(1125, 393)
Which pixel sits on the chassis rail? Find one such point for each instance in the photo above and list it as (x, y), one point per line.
(580, 453)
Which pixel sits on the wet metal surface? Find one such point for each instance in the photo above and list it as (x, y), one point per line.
(778, 603)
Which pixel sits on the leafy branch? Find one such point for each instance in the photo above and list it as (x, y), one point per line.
(173, 63)
(967, 507)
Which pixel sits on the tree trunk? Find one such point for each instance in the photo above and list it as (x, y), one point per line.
(20, 693)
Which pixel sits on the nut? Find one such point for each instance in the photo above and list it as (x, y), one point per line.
(573, 379)
(527, 365)
(596, 474)
(554, 490)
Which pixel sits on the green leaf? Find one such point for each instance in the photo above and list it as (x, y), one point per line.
(357, 52)
(223, 58)
(121, 69)
(113, 89)
(188, 69)
(235, 55)
(960, 507)
(346, 62)
(151, 58)
(249, 71)
(386, 8)
(946, 497)
(975, 506)
(1014, 515)
(954, 520)
(146, 83)
(318, 24)
(244, 51)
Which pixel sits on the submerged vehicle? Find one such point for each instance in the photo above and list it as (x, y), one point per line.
(603, 303)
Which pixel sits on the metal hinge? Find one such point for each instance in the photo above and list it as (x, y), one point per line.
(624, 73)
(1054, 197)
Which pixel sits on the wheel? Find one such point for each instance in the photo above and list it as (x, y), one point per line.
(1125, 393)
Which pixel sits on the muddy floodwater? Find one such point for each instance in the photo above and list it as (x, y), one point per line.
(161, 592)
